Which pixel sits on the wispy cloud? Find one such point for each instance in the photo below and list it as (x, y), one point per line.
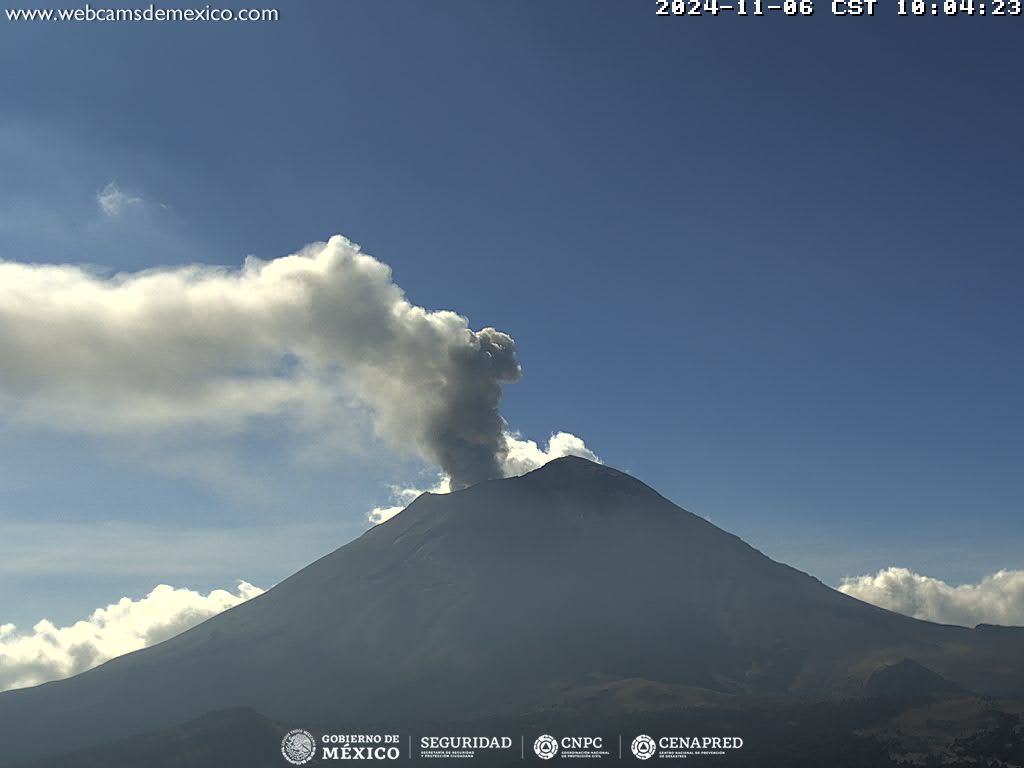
(113, 201)
(996, 599)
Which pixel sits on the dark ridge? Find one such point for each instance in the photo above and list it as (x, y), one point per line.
(907, 678)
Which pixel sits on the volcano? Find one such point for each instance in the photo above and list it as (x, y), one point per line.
(573, 586)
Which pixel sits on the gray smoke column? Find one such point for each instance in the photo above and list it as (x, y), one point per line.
(301, 338)
(466, 435)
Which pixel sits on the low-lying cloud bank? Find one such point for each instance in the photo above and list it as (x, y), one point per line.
(49, 652)
(316, 340)
(996, 599)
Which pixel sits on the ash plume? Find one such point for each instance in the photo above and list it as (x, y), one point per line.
(308, 337)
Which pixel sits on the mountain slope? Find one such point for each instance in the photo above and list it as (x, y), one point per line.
(498, 599)
(216, 739)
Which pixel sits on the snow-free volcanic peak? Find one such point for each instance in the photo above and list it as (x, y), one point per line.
(515, 596)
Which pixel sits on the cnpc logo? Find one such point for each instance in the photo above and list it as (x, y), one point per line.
(547, 746)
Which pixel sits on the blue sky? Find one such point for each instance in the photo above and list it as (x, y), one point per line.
(771, 266)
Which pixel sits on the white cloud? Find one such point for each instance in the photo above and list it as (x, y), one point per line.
(522, 456)
(403, 497)
(49, 652)
(525, 455)
(113, 200)
(996, 599)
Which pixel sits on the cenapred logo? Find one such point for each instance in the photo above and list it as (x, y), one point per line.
(681, 747)
(546, 747)
(298, 746)
(644, 747)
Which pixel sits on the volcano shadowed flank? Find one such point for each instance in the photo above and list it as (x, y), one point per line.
(515, 596)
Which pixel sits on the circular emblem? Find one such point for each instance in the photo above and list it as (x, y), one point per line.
(644, 747)
(546, 747)
(298, 746)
